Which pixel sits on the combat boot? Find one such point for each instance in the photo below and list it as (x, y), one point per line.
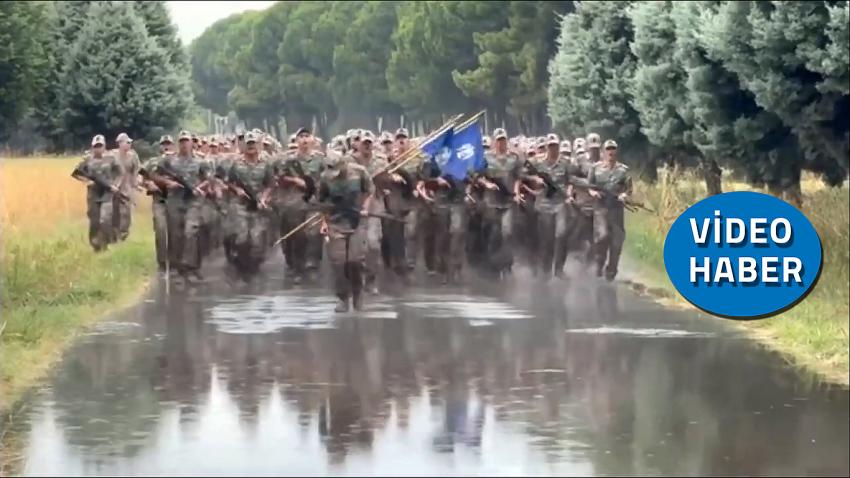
(357, 301)
(342, 306)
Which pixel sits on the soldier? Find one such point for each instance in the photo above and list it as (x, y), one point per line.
(347, 188)
(594, 142)
(579, 143)
(158, 191)
(548, 177)
(121, 209)
(295, 178)
(250, 180)
(387, 147)
(402, 140)
(372, 162)
(185, 175)
(500, 183)
(612, 187)
(103, 173)
(580, 235)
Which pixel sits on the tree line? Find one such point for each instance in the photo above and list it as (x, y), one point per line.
(70, 70)
(759, 87)
(344, 64)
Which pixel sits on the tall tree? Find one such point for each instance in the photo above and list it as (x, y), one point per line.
(116, 78)
(590, 76)
(22, 65)
(162, 29)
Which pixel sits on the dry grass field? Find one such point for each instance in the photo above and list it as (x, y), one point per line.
(51, 282)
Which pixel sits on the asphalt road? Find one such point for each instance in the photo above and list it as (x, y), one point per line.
(521, 378)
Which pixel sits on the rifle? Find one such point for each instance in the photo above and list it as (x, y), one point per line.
(628, 203)
(147, 175)
(99, 180)
(253, 198)
(165, 169)
(551, 187)
(292, 169)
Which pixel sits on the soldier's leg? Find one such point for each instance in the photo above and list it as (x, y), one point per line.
(93, 213)
(160, 225)
(600, 238)
(191, 254)
(258, 238)
(358, 248)
(241, 238)
(125, 218)
(546, 243)
(617, 235)
(337, 255)
(105, 230)
(442, 240)
(457, 241)
(313, 247)
(116, 219)
(427, 230)
(373, 252)
(411, 240)
(564, 220)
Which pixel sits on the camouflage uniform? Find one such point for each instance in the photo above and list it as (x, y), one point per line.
(374, 226)
(497, 218)
(449, 224)
(608, 214)
(581, 208)
(184, 212)
(99, 200)
(303, 250)
(400, 202)
(251, 223)
(122, 210)
(345, 187)
(228, 205)
(159, 213)
(552, 218)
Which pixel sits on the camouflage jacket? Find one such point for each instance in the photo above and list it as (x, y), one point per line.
(612, 181)
(345, 193)
(108, 168)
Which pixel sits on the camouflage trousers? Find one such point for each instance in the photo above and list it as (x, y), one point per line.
(402, 241)
(184, 224)
(210, 233)
(450, 240)
(347, 253)
(122, 212)
(580, 235)
(160, 229)
(251, 239)
(100, 215)
(497, 229)
(609, 234)
(553, 221)
(303, 250)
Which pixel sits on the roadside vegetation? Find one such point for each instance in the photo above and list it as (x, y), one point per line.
(813, 334)
(51, 283)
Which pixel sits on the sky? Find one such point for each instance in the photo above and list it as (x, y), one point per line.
(192, 18)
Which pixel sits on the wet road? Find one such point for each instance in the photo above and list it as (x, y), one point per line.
(526, 378)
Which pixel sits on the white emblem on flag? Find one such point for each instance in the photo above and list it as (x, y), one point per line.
(466, 152)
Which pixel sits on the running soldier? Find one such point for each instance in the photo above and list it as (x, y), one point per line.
(122, 210)
(346, 189)
(612, 186)
(104, 174)
(185, 176)
(500, 184)
(158, 191)
(372, 163)
(250, 180)
(295, 178)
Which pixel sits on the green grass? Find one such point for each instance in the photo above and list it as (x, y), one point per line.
(54, 285)
(814, 333)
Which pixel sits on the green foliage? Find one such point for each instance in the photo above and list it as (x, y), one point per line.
(116, 78)
(22, 60)
(159, 26)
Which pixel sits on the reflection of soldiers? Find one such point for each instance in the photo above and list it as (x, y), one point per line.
(347, 187)
(609, 231)
(100, 194)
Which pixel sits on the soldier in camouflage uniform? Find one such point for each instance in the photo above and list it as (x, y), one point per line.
(108, 174)
(594, 142)
(346, 188)
(401, 202)
(158, 191)
(614, 187)
(185, 175)
(122, 210)
(580, 205)
(296, 175)
(499, 181)
(551, 208)
(250, 180)
(228, 203)
(372, 162)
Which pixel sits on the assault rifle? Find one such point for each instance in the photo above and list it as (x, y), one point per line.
(292, 169)
(165, 169)
(100, 181)
(253, 198)
(551, 187)
(148, 176)
(628, 203)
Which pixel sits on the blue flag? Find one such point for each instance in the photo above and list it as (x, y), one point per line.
(438, 145)
(467, 153)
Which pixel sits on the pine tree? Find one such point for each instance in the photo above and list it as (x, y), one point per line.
(160, 27)
(116, 78)
(21, 60)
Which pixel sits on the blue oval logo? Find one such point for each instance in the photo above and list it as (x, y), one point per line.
(743, 255)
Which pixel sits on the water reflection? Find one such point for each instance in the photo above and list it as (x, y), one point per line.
(422, 392)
